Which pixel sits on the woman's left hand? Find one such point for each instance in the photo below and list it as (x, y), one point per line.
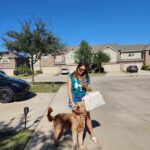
(85, 85)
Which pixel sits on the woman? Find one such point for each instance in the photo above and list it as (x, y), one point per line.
(78, 83)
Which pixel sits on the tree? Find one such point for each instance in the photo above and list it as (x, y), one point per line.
(34, 39)
(99, 58)
(84, 53)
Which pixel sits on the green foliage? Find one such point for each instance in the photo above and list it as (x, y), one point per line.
(39, 72)
(100, 57)
(16, 72)
(45, 87)
(12, 140)
(84, 53)
(23, 69)
(145, 67)
(34, 38)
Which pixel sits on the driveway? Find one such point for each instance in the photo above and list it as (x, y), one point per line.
(121, 73)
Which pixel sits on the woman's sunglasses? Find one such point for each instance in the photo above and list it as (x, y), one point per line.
(82, 70)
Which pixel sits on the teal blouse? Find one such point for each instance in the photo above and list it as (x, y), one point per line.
(77, 89)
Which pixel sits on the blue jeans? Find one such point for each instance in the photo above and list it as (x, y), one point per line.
(76, 99)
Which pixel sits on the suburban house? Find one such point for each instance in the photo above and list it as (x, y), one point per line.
(66, 59)
(9, 61)
(147, 56)
(121, 55)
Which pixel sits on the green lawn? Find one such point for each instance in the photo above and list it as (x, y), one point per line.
(22, 76)
(98, 74)
(14, 140)
(45, 87)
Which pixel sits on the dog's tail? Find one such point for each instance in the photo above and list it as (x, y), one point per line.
(50, 118)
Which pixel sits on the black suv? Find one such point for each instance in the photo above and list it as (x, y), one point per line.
(132, 68)
(12, 88)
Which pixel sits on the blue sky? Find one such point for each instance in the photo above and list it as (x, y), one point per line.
(96, 21)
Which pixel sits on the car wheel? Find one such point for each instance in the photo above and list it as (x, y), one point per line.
(6, 95)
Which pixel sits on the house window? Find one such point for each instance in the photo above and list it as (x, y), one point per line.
(72, 56)
(131, 54)
(45, 58)
(4, 60)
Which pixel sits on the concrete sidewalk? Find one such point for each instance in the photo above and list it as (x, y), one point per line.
(12, 114)
(42, 137)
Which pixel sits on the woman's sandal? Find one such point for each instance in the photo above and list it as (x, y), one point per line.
(94, 139)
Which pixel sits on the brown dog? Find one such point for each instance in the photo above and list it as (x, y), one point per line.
(74, 121)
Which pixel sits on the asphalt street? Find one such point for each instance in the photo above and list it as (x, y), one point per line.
(125, 119)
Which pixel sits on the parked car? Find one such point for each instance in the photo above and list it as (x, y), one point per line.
(64, 71)
(12, 89)
(132, 68)
(99, 70)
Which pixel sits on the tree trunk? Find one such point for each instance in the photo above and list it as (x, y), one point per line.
(39, 58)
(32, 68)
(100, 65)
(40, 64)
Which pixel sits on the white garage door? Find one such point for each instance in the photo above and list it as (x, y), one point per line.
(111, 67)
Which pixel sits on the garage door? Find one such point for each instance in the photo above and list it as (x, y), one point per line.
(111, 67)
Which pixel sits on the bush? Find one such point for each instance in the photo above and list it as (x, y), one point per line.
(28, 71)
(16, 72)
(145, 67)
(23, 69)
(39, 72)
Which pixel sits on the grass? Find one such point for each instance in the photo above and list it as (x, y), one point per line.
(14, 140)
(45, 87)
(98, 74)
(21, 76)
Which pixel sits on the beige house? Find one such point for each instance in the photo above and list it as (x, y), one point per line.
(121, 55)
(67, 59)
(48, 64)
(9, 61)
(147, 56)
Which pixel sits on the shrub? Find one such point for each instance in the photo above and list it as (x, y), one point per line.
(23, 69)
(145, 67)
(16, 72)
(28, 71)
(39, 72)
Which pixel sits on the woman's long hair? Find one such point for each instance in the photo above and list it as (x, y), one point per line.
(85, 74)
